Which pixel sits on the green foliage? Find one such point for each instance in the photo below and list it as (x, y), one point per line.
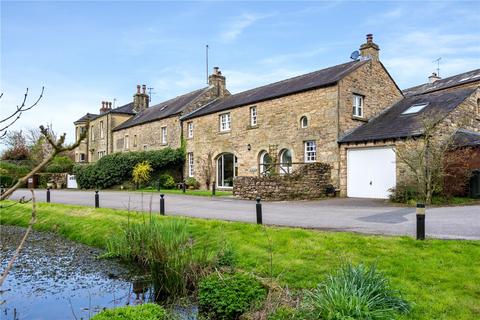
(354, 292)
(168, 250)
(114, 169)
(404, 194)
(60, 164)
(227, 257)
(142, 172)
(192, 183)
(228, 296)
(148, 311)
(284, 313)
(10, 173)
(166, 181)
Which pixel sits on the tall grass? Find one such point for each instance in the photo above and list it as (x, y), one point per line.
(355, 292)
(166, 248)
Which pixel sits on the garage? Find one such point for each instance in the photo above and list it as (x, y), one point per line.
(371, 172)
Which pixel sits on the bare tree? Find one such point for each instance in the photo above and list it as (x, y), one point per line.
(206, 167)
(430, 159)
(9, 120)
(57, 147)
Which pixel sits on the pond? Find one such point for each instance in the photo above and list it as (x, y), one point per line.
(54, 278)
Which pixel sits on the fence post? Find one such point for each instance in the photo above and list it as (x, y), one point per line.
(420, 221)
(213, 187)
(48, 194)
(162, 205)
(97, 199)
(259, 211)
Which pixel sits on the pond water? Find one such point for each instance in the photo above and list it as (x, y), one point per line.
(54, 278)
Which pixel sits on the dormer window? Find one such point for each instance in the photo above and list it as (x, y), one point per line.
(357, 105)
(304, 122)
(415, 108)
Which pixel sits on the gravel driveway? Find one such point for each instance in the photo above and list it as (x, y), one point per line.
(342, 214)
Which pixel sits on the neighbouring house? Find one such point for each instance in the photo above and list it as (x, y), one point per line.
(350, 117)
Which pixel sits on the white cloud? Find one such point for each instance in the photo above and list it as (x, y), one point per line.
(240, 23)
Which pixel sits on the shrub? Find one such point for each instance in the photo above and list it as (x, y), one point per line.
(60, 164)
(141, 172)
(227, 296)
(192, 183)
(166, 181)
(114, 169)
(227, 257)
(168, 250)
(10, 173)
(403, 194)
(148, 311)
(354, 292)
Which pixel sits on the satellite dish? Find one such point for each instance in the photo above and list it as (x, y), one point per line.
(355, 55)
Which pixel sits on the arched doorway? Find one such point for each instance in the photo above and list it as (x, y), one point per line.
(227, 170)
(285, 161)
(265, 161)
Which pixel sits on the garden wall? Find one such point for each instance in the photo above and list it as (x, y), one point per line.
(310, 181)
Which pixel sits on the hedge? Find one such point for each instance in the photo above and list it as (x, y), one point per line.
(116, 168)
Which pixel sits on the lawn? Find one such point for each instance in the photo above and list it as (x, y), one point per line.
(441, 278)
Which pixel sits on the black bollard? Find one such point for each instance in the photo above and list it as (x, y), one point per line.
(48, 194)
(213, 188)
(162, 205)
(184, 187)
(259, 211)
(97, 199)
(420, 221)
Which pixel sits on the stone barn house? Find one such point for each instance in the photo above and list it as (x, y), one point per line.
(349, 117)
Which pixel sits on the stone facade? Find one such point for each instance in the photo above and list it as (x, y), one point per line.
(328, 111)
(310, 181)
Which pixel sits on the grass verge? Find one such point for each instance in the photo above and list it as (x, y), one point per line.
(201, 193)
(441, 278)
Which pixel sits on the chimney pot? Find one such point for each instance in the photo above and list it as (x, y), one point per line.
(434, 77)
(138, 88)
(369, 38)
(144, 88)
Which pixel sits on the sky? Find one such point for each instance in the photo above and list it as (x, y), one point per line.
(92, 51)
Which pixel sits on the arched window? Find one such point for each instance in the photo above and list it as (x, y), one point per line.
(285, 161)
(303, 122)
(227, 170)
(265, 163)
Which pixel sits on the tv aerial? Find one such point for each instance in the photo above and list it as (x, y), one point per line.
(355, 55)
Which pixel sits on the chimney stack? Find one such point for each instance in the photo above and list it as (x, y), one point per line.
(434, 77)
(217, 80)
(140, 99)
(370, 49)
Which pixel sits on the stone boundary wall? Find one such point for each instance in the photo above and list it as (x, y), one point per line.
(310, 181)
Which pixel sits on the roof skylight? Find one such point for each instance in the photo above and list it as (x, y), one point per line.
(415, 108)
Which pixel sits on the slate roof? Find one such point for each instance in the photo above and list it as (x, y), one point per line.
(459, 79)
(162, 110)
(128, 109)
(393, 124)
(86, 117)
(466, 138)
(309, 81)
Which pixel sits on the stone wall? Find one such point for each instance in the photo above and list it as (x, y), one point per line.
(309, 181)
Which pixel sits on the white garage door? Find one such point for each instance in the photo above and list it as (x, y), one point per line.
(370, 172)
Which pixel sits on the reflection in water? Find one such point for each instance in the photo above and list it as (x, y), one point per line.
(54, 278)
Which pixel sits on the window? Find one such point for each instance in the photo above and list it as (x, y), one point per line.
(303, 122)
(266, 163)
(285, 161)
(357, 105)
(227, 170)
(164, 135)
(92, 133)
(101, 129)
(82, 157)
(225, 122)
(134, 141)
(190, 164)
(127, 142)
(415, 108)
(310, 151)
(253, 116)
(190, 129)
(100, 154)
